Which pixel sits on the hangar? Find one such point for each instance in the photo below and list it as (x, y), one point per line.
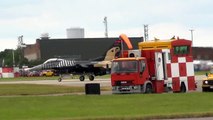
(203, 53)
(72, 48)
(88, 48)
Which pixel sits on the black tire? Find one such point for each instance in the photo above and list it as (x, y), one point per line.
(182, 88)
(91, 77)
(81, 78)
(59, 79)
(148, 89)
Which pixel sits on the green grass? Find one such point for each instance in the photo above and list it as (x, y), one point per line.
(33, 89)
(128, 107)
(29, 78)
(201, 72)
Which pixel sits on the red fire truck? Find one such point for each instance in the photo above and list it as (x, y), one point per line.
(157, 66)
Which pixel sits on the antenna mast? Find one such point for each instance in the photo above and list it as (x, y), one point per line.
(191, 30)
(146, 34)
(20, 41)
(106, 28)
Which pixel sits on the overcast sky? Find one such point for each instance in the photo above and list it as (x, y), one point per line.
(165, 18)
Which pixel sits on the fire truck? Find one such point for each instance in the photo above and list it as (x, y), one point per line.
(157, 66)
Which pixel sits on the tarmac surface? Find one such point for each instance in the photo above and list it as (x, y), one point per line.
(77, 82)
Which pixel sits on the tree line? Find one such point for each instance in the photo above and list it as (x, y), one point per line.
(10, 58)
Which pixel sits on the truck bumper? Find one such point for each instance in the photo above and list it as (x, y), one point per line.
(206, 88)
(126, 89)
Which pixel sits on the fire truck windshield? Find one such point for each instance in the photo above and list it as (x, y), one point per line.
(124, 66)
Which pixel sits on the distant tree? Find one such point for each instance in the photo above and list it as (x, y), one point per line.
(6, 57)
(20, 59)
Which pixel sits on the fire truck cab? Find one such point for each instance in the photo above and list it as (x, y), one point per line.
(157, 66)
(130, 75)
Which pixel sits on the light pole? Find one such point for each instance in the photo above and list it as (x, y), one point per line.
(191, 35)
(146, 32)
(13, 58)
(106, 27)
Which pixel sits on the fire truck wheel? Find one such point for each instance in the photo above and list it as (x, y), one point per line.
(91, 77)
(81, 78)
(182, 88)
(148, 88)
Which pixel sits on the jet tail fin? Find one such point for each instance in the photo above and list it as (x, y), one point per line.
(116, 49)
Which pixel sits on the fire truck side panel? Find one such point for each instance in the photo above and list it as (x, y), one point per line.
(158, 86)
(182, 69)
(158, 63)
(169, 73)
(159, 66)
(191, 83)
(190, 67)
(174, 59)
(167, 61)
(176, 84)
(150, 56)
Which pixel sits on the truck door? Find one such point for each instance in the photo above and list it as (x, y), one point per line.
(143, 73)
(160, 66)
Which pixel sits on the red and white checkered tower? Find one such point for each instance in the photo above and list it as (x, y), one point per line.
(170, 63)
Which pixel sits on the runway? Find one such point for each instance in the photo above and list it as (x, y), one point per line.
(77, 82)
(70, 82)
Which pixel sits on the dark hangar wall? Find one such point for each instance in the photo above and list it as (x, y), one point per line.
(202, 53)
(80, 49)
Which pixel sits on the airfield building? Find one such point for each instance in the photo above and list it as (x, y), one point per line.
(72, 48)
(88, 48)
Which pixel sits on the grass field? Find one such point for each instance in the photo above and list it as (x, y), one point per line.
(34, 89)
(127, 106)
(201, 72)
(20, 102)
(107, 107)
(29, 78)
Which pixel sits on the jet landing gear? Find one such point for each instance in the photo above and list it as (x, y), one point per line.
(91, 77)
(59, 79)
(81, 77)
(62, 76)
